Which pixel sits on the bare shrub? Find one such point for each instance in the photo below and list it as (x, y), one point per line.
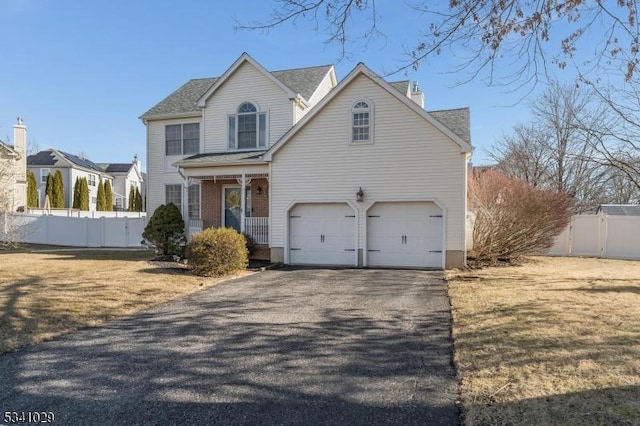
(512, 218)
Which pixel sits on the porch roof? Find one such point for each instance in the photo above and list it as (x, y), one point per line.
(220, 159)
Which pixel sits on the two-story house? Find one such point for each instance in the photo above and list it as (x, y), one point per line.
(71, 166)
(317, 172)
(13, 170)
(125, 176)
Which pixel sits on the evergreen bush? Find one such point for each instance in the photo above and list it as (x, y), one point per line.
(32, 190)
(57, 196)
(100, 199)
(165, 230)
(76, 194)
(216, 252)
(108, 196)
(84, 194)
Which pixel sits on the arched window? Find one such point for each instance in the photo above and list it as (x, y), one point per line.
(247, 128)
(361, 119)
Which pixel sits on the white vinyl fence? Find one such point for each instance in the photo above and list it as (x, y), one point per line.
(73, 231)
(600, 236)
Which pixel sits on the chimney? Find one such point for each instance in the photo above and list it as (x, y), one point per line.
(416, 94)
(20, 146)
(136, 161)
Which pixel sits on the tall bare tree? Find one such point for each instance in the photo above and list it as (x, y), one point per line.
(557, 150)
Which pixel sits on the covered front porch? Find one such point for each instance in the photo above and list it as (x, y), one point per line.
(229, 195)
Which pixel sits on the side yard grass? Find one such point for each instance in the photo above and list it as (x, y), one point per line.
(43, 295)
(555, 341)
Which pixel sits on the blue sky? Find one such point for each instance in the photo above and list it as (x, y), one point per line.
(82, 72)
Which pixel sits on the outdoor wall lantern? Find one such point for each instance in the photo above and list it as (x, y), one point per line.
(259, 190)
(360, 195)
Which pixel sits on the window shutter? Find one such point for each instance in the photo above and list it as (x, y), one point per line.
(262, 129)
(232, 132)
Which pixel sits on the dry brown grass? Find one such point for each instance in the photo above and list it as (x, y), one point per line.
(554, 341)
(43, 295)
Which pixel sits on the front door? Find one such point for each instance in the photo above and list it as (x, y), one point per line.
(232, 207)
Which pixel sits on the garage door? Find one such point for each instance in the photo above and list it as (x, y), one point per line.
(322, 234)
(406, 234)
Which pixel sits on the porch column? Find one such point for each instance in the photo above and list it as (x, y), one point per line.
(243, 202)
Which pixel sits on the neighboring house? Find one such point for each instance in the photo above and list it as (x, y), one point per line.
(13, 170)
(71, 166)
(619, 209)
(124, 176)
(355, 173)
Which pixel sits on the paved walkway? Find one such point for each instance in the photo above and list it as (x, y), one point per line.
(309, 346)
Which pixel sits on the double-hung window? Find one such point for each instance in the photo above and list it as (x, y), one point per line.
(247, 129)
(173, 194)
(44, 173)
(182, 139)
(361, 120)
(194, 202)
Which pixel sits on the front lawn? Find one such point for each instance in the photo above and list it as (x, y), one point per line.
(43, 295)
(555, 341)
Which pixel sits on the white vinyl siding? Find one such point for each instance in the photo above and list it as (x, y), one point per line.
(247, 84)
(410, 161)
(160, 169)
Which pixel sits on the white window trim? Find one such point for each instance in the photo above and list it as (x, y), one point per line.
(371, 123)
(266, 128)
(200, 138)
(43, 177)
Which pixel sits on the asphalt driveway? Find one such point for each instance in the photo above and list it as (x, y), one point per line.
(308, 346)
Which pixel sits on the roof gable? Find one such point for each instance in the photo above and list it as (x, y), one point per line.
(9, 149)
(303, 81)
(244, 58)
(359, 70)
(300, 83)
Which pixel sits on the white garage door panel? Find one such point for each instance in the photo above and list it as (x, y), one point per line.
(405, 234)
(322, 234)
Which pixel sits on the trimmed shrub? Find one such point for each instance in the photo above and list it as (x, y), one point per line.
(57, 195)
(132, 199)
(100, 198)
(138, 203)
(76, 194)
(108, 196)
(165, 230)
(32, 190)
(217, 251)
(84, 194)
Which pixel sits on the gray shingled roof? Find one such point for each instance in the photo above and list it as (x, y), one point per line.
(401, 86)
(116, 167)
(620, 209)
(303, 81)
(220, 157)
(182, 100)
(456, 120)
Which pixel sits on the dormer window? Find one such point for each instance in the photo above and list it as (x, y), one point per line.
(361, 120)
(247, 129)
